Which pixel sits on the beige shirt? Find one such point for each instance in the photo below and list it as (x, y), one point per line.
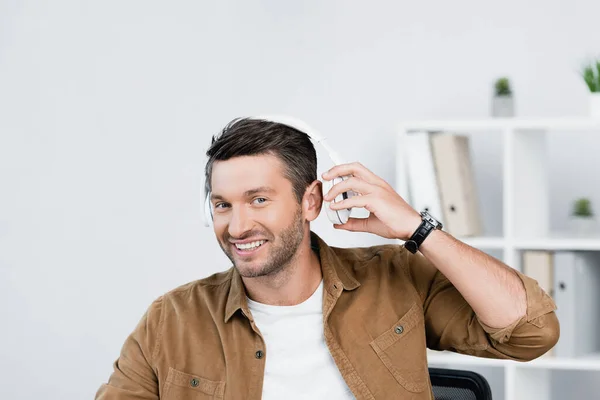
(382, 307)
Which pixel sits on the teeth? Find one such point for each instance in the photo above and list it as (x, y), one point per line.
(249, 246)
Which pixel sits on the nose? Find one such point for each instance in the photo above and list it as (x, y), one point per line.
(240, 222)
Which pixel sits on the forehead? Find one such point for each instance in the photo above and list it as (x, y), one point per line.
(239, 174)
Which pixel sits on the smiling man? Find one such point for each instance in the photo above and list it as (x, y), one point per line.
(262, 227)
(295, 318)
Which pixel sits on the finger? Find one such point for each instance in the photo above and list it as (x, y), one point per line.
(354, 225)
(352, 202)
(354, 184)
(355, 169)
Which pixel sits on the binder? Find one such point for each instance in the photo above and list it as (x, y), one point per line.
(421, 175)
(539, 265)
(457, 188)
(576, 283)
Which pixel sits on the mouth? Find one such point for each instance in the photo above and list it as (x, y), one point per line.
(246, 249)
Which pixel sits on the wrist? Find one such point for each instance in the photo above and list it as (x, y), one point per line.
(427, 225)
(412, 227)
(433, 241)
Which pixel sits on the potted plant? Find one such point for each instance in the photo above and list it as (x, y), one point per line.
(503, 102)
(591, 77)
(582, 217)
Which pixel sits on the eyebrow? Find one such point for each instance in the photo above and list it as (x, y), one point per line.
(247, 193)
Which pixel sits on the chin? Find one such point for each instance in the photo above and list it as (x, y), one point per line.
(249, 272)
(254, 271)
(247, 269)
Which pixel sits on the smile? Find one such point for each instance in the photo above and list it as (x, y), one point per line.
(249, 248)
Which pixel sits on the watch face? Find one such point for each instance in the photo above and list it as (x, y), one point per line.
(427, 217)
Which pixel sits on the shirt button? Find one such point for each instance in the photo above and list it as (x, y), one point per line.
(259, 354)
(194, 382)
(399, 329)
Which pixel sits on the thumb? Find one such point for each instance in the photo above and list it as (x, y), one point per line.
(354, 225)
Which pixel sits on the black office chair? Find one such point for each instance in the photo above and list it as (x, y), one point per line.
(455, 384)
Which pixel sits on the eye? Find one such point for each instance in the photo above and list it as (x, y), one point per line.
(221, 205)
(260, 200)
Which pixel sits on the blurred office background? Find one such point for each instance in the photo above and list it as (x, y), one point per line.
(107, 108)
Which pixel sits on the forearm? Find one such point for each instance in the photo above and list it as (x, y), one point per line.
(491, 288)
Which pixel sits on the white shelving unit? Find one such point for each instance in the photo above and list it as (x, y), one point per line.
(525, 226)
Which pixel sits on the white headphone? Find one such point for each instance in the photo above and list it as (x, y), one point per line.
(335, 216)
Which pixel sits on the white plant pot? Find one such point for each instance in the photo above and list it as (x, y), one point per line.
(583, 226)
(503, 106)
(595, 105)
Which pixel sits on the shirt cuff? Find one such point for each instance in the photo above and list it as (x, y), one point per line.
(539, 303)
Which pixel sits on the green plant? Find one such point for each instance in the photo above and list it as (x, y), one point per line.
(591, 76)
(502, 87)
(582, 208)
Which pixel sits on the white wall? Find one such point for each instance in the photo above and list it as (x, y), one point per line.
(106, 109)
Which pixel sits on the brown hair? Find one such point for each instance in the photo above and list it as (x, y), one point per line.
(248, 137)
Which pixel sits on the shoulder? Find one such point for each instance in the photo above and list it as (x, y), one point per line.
(378, 254)
(192, 299)
(198, 293)
(195, 298)
(391, 261)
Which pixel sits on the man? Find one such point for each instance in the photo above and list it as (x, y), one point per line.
(297, 319)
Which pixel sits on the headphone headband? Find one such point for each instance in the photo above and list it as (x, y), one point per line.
(304, 128)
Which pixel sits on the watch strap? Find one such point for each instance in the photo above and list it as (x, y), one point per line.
(419, 236)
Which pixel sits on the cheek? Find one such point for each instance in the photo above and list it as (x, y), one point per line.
(280, 218)
(282, 214)
(272, 217)
(219, 227)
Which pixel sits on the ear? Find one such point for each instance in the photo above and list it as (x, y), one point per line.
(312, 201)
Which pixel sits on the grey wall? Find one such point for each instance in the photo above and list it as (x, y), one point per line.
(106, 109)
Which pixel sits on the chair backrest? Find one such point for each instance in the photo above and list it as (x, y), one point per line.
(455, 384)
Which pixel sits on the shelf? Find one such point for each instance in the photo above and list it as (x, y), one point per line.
(553, 243)
(567, 123)
(559, 243)
(589, 363)
(484, 242)
(445, 357)
(518, 196)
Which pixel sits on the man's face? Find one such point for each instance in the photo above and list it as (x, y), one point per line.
(257, 219)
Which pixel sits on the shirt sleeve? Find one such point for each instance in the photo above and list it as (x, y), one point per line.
(451, 324)
(133, 377)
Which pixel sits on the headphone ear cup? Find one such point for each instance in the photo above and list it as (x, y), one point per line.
(333, 215)
(337, 217)
(208, 217)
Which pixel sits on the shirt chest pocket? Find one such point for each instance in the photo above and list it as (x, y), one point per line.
(402, 348)
(183, 386)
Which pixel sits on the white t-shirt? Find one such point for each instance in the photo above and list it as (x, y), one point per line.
(298, 362)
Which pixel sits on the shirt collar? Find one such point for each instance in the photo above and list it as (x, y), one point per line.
(335, 272)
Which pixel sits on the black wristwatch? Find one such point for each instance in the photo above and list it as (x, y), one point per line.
(428, 224)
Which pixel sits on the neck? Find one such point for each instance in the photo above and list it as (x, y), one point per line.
(293, 284)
